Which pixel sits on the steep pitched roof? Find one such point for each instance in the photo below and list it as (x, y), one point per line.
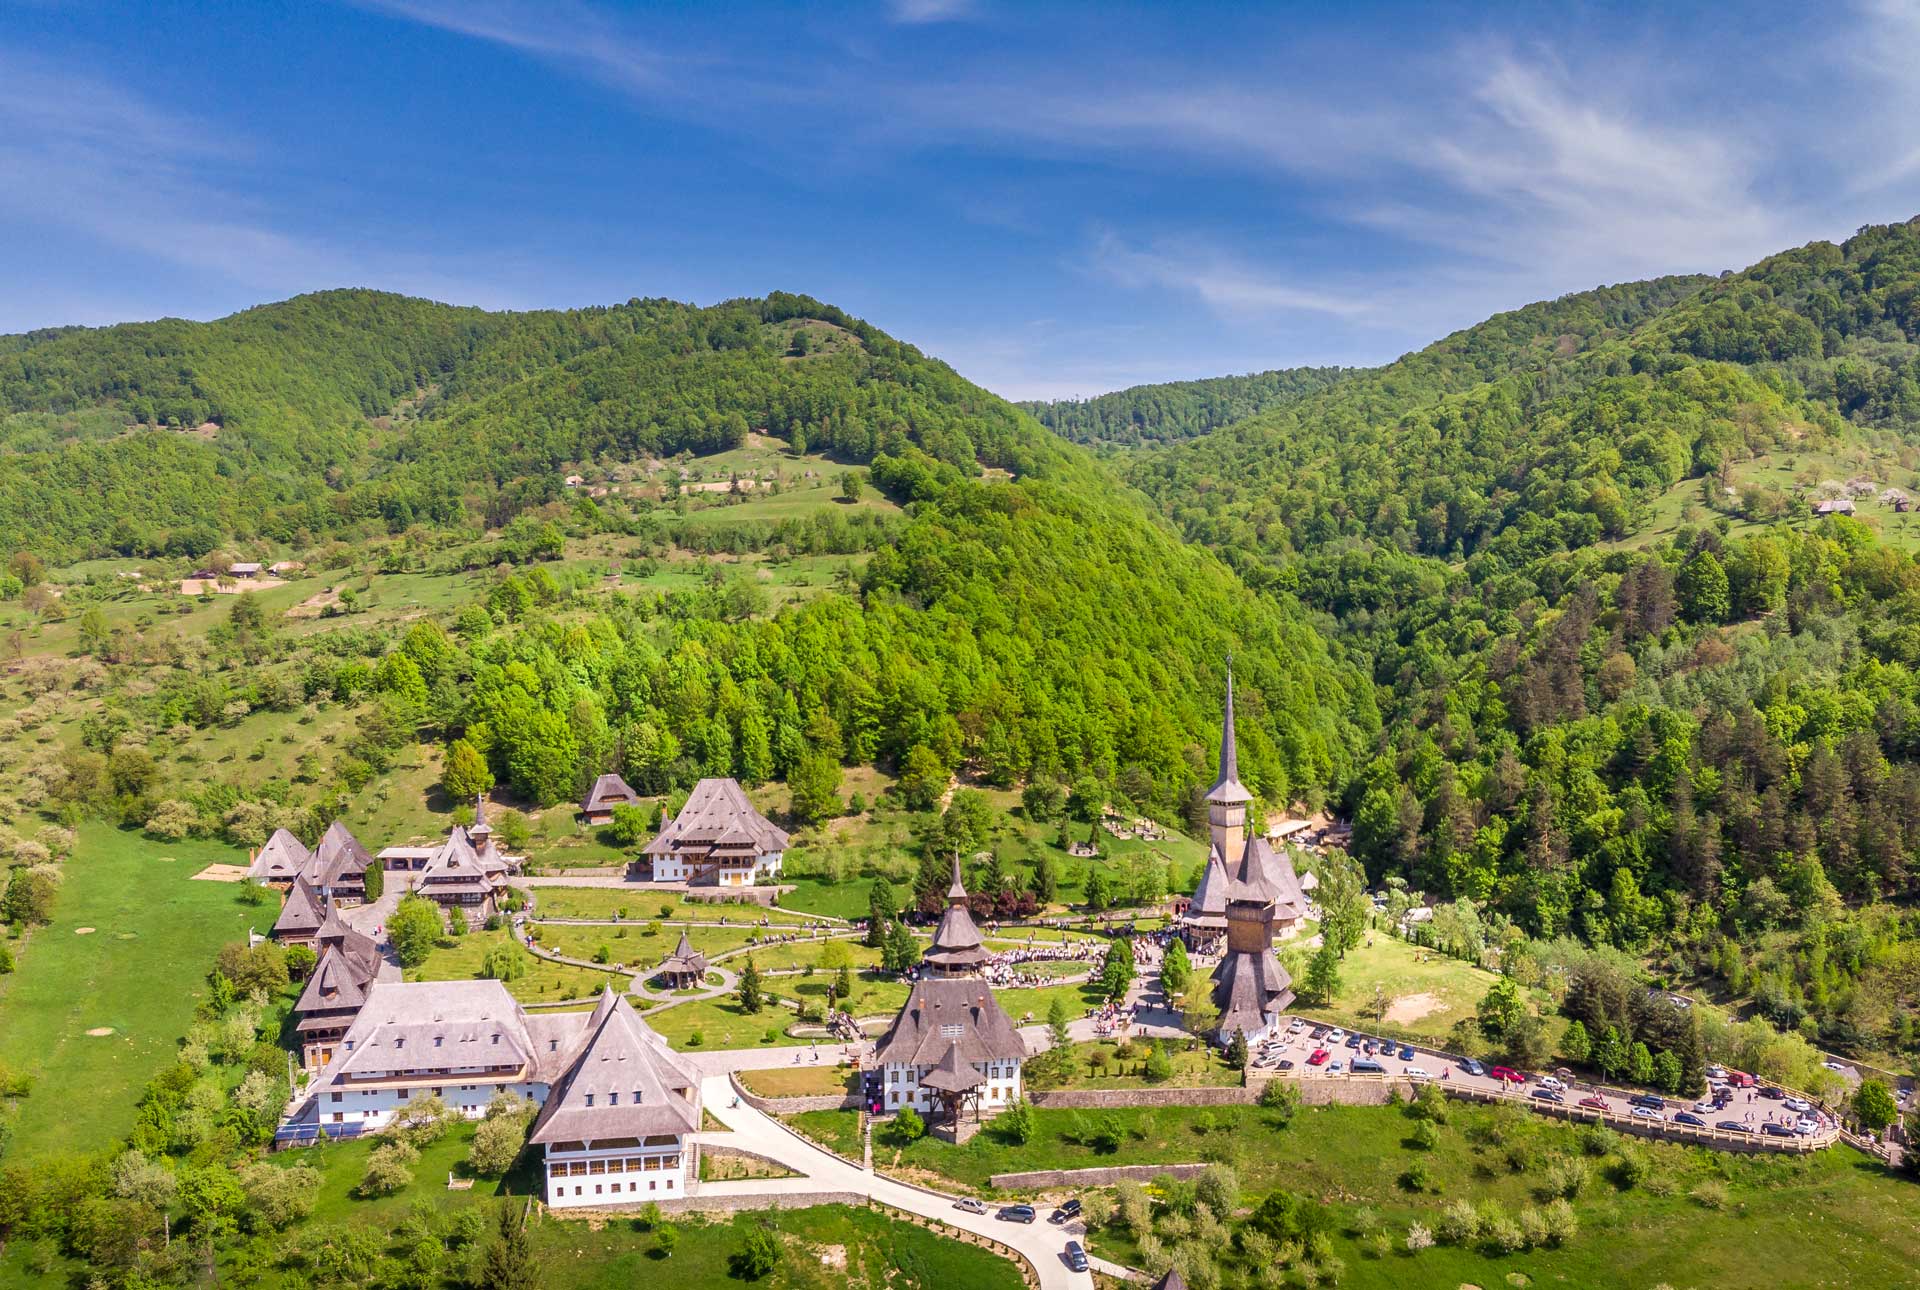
(944, 1011)
(1266, 877)
(1247, 987)
(479, 827)
(408, 1026)
(624, 1083)
(455, 866)
(1171, 1281)
(339, 858)
(348, 969)
(717, 814)
(685, 958)
(302, 914)
(608, 792)
(952, 1075)
(1209, 906)
(956, 941)
(282, 859)
(1228, 789)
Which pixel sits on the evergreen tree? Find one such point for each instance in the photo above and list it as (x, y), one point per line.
(1574, 1043)
(749, 991)
(1116, 973)
(1237, 1051)
(882, 909)
(508, 1261)
(1176, 969)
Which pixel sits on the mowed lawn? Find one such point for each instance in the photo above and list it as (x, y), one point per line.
(139, 974)
(1425, 991)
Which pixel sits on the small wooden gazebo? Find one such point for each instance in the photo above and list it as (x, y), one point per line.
(684, 967)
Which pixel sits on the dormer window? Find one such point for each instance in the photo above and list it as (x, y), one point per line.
(589, 1099)
(436, 1041)
(399, 1043)
(636, 1097)
(613, 1099)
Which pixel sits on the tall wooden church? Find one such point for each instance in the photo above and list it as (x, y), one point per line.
(1248, 893)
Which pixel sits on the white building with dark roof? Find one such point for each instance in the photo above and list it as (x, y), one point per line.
(718, 840)
(349, 966)
(617, 1108)
(617, 1127)
(952, 1046)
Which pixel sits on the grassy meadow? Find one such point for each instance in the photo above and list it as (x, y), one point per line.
(138, 975)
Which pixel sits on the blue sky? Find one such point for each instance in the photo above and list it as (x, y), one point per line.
(1056, 199)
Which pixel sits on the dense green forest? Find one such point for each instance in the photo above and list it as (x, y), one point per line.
(1177, 410)
(352, 413)
(1704, 744)
(1028, 619)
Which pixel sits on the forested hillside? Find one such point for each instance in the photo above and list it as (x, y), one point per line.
(352, 413)
(1028, 618)
(1178, 410)
(1704, 738)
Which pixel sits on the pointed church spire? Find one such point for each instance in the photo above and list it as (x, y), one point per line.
(1228, 787)
(1229, 743)
(956, 894)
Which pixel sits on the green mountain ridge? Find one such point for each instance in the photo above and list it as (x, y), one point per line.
(1177, 410)
(1032, 617)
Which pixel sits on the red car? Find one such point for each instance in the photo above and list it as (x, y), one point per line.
(1319, 1057)
(1507, 1074)
(1594, 1103)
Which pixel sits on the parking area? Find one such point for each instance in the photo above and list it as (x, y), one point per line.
(1735, 1107)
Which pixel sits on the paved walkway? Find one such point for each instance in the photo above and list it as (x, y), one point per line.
(749, 1129)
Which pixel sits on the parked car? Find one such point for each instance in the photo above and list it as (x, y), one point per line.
(1353, 1041)
(1016, 1213)
(1550, 1095)
(1832, 1065)
(1651, 1101)
(1371, 1047)
(1336, 1066)
(1716, 1071)
(1548, 1081)
(970, 1205)
(1076, 1256)
(1406, 1052)
(1773, 1130)
(1688, 1117)
(1594, 1103)
(1286, 1064)
(1799, 1104)
(1507, 1075)
(1319, 1057)
(1319, 1032)
(1418, 1072)
(1740, 1079)
(1298, 1023)
(1772, 1093)
(1733, 1126)
(1647, 1113)
(1706, 1108)
(1472, 1066)
(1069, 1210)
(1367, 1066)
(1806, 1127)
(1336, 1036)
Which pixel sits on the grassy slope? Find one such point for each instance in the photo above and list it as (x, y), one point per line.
(1834, 1220)
(141, 972)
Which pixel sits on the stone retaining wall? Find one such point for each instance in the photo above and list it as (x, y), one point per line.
(1092, 1177)
(793, 1106)
(696, 1203)
(1339, 1090)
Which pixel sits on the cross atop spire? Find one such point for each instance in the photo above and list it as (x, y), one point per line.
(1228, 788)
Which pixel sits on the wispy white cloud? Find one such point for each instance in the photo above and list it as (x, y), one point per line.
(79, 153)
(925, 11)
(1215, 278)
(560, 31)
